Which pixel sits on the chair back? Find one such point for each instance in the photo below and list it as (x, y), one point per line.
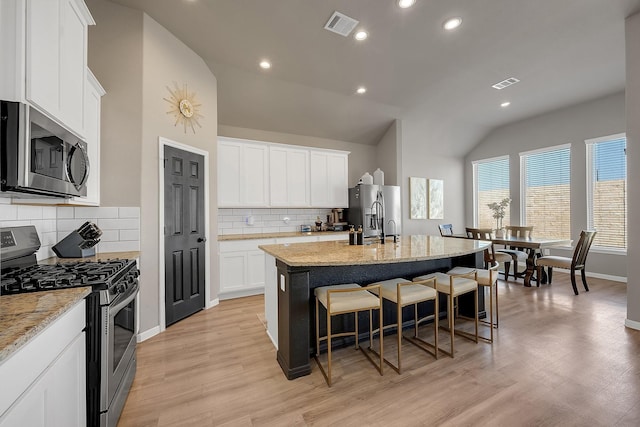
(582, 249)
(479, 233)
(483, 234)
(519, 231)
(445, 229)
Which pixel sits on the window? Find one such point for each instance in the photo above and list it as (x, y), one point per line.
(491, 184)
(545, 180)
(607, 190)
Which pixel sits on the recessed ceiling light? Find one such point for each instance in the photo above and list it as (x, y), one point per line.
(505, 104)
(361, 35)
(361, 90)
(452, 24)
(406, 3)
(265, 65)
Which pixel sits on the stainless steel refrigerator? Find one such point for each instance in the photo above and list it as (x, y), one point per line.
(376, 208)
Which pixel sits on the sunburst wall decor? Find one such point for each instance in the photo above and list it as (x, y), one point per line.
(184, 107)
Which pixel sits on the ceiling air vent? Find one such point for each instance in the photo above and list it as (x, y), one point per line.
(505, 83)
(341, 24)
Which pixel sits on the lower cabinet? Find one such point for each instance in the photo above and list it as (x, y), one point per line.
(242, 268)
(45, 382)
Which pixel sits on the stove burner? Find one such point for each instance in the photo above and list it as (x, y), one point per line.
(101, 275)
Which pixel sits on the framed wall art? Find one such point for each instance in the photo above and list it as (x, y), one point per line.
(436, 199)
(418, 197)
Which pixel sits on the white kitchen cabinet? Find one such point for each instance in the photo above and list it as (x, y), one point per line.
(329, 175)
(47, 376)
(289, 176)
(243, 174)
(56, 58)
(242, 268)
(263, 174)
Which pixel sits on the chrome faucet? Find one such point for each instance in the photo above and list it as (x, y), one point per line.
(377, 219)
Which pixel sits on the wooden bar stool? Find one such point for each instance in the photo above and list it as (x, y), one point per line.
(453, 286)
(402, 293)
(342, 299)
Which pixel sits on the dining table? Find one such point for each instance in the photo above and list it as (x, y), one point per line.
(533, 245)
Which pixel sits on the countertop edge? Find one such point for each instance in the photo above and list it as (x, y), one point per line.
(31, 332)
(283, 234)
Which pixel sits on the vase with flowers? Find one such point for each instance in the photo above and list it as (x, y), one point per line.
(499, 210)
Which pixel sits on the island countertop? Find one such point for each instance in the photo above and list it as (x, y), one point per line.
(408, 248)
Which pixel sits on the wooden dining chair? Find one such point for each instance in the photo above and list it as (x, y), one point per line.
(517, 254)
(577, 262)
(485, 234)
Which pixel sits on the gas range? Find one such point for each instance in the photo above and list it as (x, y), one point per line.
(113, 277)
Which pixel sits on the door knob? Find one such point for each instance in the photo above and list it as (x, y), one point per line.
(202, 239)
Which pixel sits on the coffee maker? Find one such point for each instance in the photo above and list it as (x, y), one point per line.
(336, 220)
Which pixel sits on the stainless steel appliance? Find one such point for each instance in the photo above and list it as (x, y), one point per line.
(38, 155)
(111, 314)
(377, 208)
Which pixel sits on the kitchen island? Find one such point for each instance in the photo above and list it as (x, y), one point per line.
(302, 267)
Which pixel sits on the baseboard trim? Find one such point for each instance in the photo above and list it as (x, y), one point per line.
(241, 293)
(143, 336)
(621, 279)
(275, 344)
(212, 303)
(632, 324)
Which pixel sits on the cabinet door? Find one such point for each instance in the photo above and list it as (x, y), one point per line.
(43, 54)
(319, 180)
(255, 175)
(232, 271)
(73, 51)
(255, 269)
(229, 174)
(243, 174)
(289, 177)
(338, 186)
(57, 398)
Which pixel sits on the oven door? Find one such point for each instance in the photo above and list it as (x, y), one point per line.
(118, 344)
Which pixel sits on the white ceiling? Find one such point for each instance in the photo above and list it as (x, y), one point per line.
(563, 51)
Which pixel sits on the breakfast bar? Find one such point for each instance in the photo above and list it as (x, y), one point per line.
(302, 267)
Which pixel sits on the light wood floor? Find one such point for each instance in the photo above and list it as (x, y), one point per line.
(557, 359)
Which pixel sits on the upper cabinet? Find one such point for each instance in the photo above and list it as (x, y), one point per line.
(44, 49)
(289, 176)
(243, 173)
(56, 58)
(261, 174)
(329, 179)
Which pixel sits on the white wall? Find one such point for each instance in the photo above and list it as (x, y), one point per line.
(388, 154)
(156, 60)
(633, 168)
(601, 117)
(422, 156)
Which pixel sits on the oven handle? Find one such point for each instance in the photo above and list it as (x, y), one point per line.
(115, 308)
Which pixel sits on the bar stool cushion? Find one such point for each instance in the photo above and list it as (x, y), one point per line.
(461, 285)
(410, 294)
(347, 301)
(484, 276)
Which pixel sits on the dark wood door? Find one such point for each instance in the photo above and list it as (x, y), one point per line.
(184, 234)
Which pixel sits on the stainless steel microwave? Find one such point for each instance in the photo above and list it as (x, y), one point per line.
(38, 156)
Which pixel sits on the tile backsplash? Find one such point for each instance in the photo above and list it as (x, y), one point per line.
(120, 225)
(263, 220)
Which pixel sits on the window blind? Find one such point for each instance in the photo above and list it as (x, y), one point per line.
(607, 190)
(546, 185)
(491, 185)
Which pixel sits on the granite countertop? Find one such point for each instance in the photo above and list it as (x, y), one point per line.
(228, 237)
(23, 316)
(408, 248)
